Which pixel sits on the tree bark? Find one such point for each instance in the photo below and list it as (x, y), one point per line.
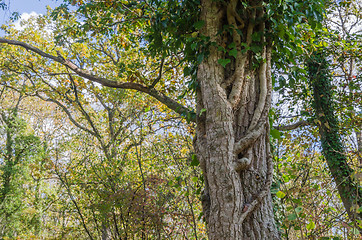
(359, 146)
(232, 136)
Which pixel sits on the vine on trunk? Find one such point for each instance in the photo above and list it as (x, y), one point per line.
(333, 150)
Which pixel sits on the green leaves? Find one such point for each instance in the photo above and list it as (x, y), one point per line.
(311, 225)
(198, 25)
(275, 133)
(359, 210)
(224, 62)
(292, 217)
(294, 24)
(233, 52)
(194, 161)
(298, 209)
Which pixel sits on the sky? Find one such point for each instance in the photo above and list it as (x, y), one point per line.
(26, 8)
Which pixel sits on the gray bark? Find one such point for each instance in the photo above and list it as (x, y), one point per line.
(232, 141)
(359, 146)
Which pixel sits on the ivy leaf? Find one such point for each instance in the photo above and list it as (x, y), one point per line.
(233, 52)
(224, 62)
(198, 25)
(292, 217)
(232, 45)
(202, 111)
(195, 162)
(200, 57)
(256, 48)
(275, 133)
(256, 36)
(298, 209)
(355, 231)
(194, 45)
(359, 210)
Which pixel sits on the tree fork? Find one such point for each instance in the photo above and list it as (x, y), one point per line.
(232, 135)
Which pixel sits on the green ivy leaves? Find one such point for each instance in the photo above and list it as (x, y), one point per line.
(224, 62)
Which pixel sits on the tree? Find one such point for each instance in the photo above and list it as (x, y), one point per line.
(340, 38)
(333, 150)
(227, 50)
(20, 187)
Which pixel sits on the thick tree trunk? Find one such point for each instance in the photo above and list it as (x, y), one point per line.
(232, 138)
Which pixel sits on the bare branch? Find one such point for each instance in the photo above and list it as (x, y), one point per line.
(159, 75)
(77, 124)
(293, 126)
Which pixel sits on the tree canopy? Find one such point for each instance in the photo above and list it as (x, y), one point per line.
(182, 120)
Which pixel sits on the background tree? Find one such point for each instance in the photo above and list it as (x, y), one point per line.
(106, 184)
(340, 36)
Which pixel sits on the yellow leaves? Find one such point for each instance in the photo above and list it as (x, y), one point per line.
(280, 194)
(30, 211)
(123, 42)
(356, 208)
(80, 50)
(108, 3)
(358, 177)
(311, 225)
(79, 2)
(318, 122)
(84, 51)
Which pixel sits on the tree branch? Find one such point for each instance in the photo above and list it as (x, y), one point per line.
(293, 126)
(159, 75)
(170, 103)
(68, 113)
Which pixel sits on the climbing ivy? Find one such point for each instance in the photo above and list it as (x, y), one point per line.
(327, 122)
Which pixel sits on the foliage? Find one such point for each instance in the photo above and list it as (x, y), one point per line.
(339, 37)
(114, 170)
(120, 164)
(22, 153)
(333, 151)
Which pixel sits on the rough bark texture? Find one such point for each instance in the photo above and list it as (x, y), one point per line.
(232, 141)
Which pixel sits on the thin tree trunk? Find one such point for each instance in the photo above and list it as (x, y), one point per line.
(333, 150)
(232, 141)
(359, 146)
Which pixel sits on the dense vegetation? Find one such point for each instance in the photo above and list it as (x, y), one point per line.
(100, 103)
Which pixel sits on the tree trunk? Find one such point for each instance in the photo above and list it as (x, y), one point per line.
(359, 146)
(333, 149)
(232, 136)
